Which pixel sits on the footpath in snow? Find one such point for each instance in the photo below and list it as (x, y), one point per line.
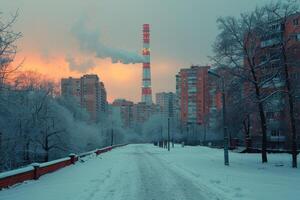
(146, 172)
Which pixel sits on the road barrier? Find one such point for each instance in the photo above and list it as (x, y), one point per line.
(35, 170)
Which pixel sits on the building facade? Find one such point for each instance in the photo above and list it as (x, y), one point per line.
(103, 100)
(272, 75)
(124, 109)
(89, 92)
(192, 90)
(71, 87)
(143, 111)
(166, 102)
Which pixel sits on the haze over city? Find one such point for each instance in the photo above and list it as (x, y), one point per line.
(182, 33)
(149, 99)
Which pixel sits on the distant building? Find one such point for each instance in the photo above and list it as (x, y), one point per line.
(166, 102)
(71, 87)
(89, 91)
(103, 99)
(192, 90)
(124, 109)
(90, 95)
(143, 111)
(215, 102)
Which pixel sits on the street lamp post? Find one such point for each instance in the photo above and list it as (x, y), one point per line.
(112, 134)
(168, 133)
(112, 137)
(226, 156)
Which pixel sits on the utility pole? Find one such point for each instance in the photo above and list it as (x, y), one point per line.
(168, 133)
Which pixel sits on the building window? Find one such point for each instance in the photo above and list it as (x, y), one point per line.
(276, 27)
(270, 115)
(295, 37)
(270, 42)
(296, 22)
(275, 133)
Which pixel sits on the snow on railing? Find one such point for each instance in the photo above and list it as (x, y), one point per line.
(86, 153)
(16, 171)
(45, 164)
(35, 170)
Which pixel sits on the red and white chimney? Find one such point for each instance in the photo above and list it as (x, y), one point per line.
(146, 87)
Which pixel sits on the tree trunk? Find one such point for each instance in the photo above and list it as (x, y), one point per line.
(264, 133)
(46, 157)
(246, 124)
(27, 158)
(291, 110)
(262, 118)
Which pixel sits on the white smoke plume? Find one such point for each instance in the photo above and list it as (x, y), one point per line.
(80, 65)
(90, 41)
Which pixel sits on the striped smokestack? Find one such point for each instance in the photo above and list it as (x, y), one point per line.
(146, 88)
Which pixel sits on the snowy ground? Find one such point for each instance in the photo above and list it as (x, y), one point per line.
(145, 172)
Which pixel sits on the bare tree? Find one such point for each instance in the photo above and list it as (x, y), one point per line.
(238, 51)
(262, 48)
(49, 140)
(8, 48)
(287, 15)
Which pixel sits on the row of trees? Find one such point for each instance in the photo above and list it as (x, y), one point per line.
(259, 51)
(36, 124)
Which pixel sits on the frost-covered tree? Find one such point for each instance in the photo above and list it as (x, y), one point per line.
(154, 128)
(237, 50)
(285, 14)
(8, 48)
(262, 49)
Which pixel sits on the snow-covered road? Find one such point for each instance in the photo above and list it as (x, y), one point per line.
(157, 180)
(140, 173)
(145, 172)
(132, 172)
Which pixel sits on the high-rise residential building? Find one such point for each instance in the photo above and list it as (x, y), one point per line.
(103, 99)
(215, 105)
(192, 90)
(142, 112)
(271, 75)
(71, 87)
(166, 102)
(146, 81)
(124, 109)
(89, 92)
(90, 96)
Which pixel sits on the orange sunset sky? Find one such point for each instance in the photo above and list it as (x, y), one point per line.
(121, 81)
(178, 38)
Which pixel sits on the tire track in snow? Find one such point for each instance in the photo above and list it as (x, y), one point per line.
(118, 182)
(159, 181)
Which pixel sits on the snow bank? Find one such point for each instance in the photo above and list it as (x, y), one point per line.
(132, 171)
(245, 179)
